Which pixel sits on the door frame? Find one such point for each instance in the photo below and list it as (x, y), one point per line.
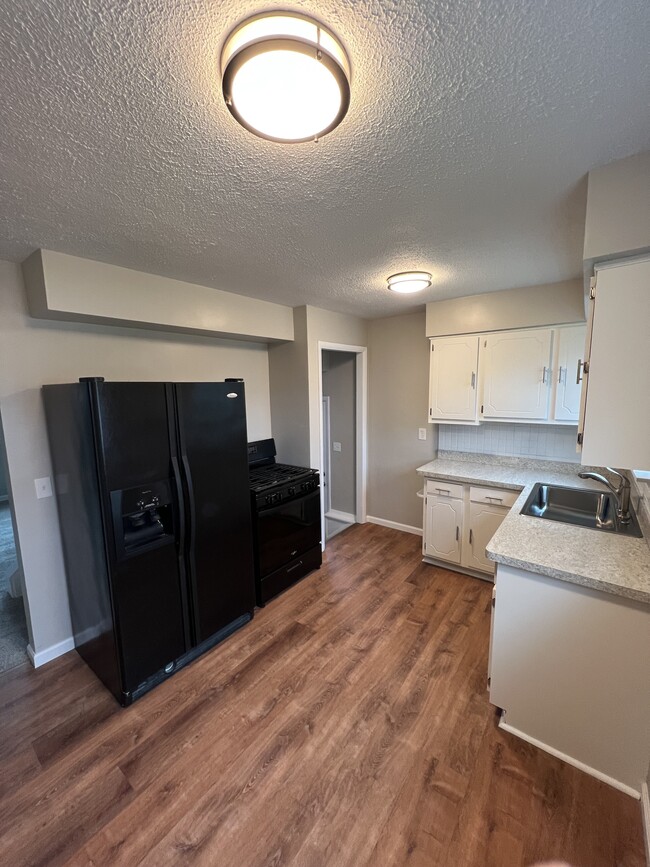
(361, 420)
(326, 462)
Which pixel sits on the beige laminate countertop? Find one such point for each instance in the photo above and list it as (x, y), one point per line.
(614, 564)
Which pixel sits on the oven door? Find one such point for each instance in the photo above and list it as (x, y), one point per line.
(286, 531)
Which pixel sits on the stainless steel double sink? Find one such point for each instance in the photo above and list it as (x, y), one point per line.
(580, 507)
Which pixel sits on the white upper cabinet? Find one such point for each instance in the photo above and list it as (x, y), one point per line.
(567, 372)
(453, 379)
(615, 428)
(516, 373)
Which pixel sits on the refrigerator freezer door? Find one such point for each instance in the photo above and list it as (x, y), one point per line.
(214, 460)
(136, 451)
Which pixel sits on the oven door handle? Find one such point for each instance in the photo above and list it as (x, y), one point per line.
(310, 495)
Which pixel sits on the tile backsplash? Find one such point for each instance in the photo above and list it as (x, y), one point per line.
(557, 442)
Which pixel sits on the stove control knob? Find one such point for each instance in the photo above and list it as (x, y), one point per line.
(291, 491)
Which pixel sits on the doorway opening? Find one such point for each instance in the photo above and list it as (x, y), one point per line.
(342, 435)
(13, 624)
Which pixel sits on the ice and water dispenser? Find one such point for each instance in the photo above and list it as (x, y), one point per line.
(142, 518)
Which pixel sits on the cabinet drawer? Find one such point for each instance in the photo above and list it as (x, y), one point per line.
(444, 489)
(493, 496)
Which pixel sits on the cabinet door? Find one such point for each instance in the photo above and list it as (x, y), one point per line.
(516, 374)
(617, 412)
(569, 354)
(452, 379)
(484, 521)
(443, 528)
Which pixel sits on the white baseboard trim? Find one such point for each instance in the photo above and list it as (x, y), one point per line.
(393, 525)
(345, 517)
(42, 656)
(616, 784)
(645, 818)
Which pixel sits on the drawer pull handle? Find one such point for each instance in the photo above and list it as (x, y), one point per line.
(498, 499)
(443, 491)
(291, 568)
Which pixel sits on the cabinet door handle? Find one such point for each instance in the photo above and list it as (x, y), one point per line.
(471, 535)
(578, 377)
(559, 376)
(457, 533)
(473, 379)
(544, 374)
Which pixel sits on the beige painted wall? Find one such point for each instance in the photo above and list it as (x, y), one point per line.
(339, 384)
(398, 405)
(325, 326)
(295, 375)
(72, 289)
(618, 209)
(528, 307)
(289, 385)
(36, 352)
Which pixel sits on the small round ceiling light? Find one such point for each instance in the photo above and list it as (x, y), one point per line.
(409, 281)
(285, 77)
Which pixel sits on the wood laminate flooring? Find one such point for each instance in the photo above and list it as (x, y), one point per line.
(348, 724)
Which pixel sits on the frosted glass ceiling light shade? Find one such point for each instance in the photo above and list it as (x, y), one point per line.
(285, 77)
(409, 281)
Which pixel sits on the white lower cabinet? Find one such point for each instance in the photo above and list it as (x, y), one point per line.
(484, 521)
(568, 666)
(443, 527)
(460, 520)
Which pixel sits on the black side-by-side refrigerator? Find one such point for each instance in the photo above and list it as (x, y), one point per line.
(152, 489)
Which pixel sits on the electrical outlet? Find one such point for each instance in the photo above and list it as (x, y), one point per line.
(422, 433)
(336, 447)
(43, 487)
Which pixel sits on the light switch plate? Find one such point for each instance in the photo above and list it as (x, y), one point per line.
(422, 433)
(43, 487)
(336, 447)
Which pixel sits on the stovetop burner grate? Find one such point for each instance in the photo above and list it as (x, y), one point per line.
(275, 474)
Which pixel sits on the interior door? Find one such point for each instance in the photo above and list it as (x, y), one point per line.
(570, 352)
(452, 379)
(214, 462)
(516, 374)
(444, 525)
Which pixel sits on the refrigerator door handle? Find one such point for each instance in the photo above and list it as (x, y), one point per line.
(190, 514)
(181, 549)
(181, 506)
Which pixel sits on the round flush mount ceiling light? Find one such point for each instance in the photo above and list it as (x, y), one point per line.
(285, 77)
(409, 281)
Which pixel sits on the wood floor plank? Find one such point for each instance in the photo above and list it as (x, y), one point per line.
(348, 724)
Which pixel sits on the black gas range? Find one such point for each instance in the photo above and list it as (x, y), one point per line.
(285, 501)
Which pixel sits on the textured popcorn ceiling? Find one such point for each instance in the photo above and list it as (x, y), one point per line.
(471, 128)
